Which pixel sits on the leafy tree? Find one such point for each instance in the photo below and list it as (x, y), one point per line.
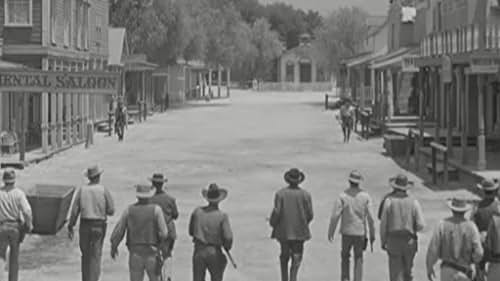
(338, 37)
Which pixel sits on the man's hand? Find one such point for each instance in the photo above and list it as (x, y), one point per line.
(71, 233)
(372, 241)
(384, 246)
(114, 253)
(431, 275)
(330, 236)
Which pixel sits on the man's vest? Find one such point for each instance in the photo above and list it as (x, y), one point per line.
(495, 238)
(485, 212)
(141, 225)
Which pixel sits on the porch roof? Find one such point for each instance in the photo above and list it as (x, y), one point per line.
(138, 62)
(367, 58)
(393, 59)
(11, 65)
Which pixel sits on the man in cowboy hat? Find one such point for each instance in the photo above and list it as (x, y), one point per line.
(93, 203)
(211, 232)
(354, 209)
(457, 243)
(15, 218)
(170, 212)
(492, 248)
(484, 211)
(290, 219)
(401, 219)
(145, 226)
(120, 119)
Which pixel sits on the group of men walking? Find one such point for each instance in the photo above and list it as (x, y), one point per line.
(467, 249)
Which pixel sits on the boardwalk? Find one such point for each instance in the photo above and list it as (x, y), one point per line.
(245, 145)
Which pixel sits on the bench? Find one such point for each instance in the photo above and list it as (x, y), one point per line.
(435, 169)
(452, 171)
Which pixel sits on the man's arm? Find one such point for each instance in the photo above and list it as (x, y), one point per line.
(119, 231)
(310, 211)
(383, 222)
(433, 251)
(334, 220)
(110, 205)
(75, 210)
(491, 236)
(477, 247)
(191, 223)
(227, 233)
(26, 211)
(175, 210)
(160, 221)
(276, 212)
(370, 218)
(418, 217)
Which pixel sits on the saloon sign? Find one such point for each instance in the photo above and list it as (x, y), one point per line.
(59, 82)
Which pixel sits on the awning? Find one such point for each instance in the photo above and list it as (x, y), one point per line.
(138, 62)
(394, 59)
(116, 40)
(161, 72)
(11, 65)
(367, 58)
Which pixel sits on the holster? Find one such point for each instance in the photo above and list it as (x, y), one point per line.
(159, 262)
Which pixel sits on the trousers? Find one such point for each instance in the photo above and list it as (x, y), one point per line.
(209, 258)
(493, 271)
(401, 250)
(357, 244)
(450, 274)
(140, 263)
(291, 249)
(92, 234)
(9, 238)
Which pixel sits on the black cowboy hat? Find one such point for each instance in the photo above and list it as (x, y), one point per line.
(214, 194)
(294, 176)
(158, 178)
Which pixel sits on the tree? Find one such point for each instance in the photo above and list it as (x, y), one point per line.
(344, 28)
(268, 47)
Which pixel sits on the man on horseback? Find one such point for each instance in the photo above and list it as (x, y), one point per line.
(120, 119)
(346, 119)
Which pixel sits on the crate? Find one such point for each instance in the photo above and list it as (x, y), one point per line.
(50, 204)
(395, 145)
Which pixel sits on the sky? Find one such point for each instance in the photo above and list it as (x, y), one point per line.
(373, 7)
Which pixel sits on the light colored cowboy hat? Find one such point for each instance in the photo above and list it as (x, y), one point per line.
(488, 185)
(458, 205)
(400, 182)
(158, 178)
(214, 194)
(144, 191)
(93, 171)
(355, 177)
(294, 176)
(9, 176)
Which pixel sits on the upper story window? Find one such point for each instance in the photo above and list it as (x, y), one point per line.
(67, 22)
(18, 12)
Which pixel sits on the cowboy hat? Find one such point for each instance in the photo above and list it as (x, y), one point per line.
(9, 176)
(355, 177)
(93, 171)
(400, 182)
(144, 191)
(488, 185)
(458, 205)
(158, 178)
(214, 194)
(294, 176)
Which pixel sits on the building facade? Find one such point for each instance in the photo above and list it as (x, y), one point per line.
(55, 35)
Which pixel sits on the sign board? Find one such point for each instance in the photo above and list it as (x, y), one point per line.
(59, 81)
(409, 64)
(447, 73)
(483, 69)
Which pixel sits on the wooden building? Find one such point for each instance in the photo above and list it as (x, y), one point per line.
(459, 66)
(55, 35)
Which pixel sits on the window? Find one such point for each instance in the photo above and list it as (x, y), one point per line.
(67, 22)
(85, 25)
(18, 12)
(53, 21)
(98, 31)
(290, 72)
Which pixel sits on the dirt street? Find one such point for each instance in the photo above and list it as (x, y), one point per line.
(244, 144)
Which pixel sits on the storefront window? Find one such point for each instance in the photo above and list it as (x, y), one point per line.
(18, 12)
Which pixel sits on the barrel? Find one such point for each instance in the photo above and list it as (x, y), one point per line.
(50, 204)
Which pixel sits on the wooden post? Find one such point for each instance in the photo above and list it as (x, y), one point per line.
(228, 81)
(219, 81)
(465, 119)
(445, 166)
(449, 132)
(434, 165)
(326, 101)
(408, 148)
(59, 119)
(23, 127)
(210, 83)
(437, 95)
(420, 139)
(45, 113)
(481, 138)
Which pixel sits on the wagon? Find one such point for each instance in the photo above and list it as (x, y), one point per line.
(50, 204)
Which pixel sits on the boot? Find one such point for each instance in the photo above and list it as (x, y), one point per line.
(284, 268)
(294, 268)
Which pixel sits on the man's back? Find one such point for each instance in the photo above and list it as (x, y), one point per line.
(484, 212)
(141, 225)
(167, 204)
(293, 215)
(354, 208)
(402, 214)
(210, 226)
(11, 203)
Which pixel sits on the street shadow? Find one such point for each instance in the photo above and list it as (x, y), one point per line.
(204, 104)
(50, 249)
